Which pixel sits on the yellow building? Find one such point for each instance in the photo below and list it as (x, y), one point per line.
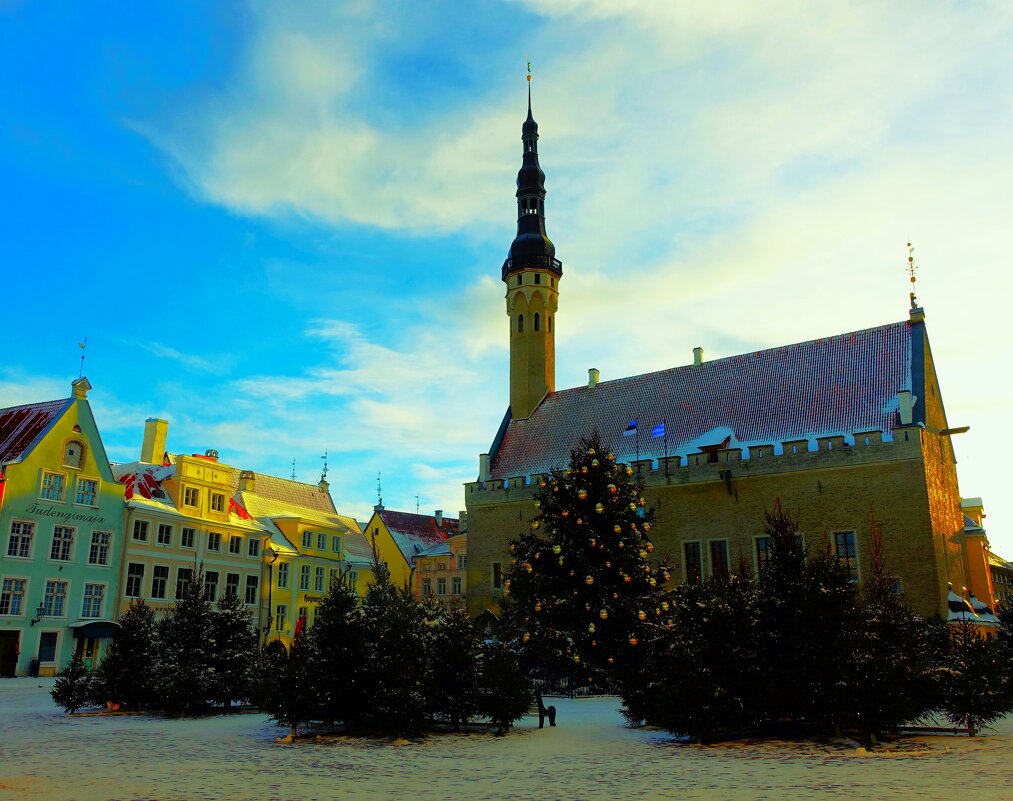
(61, 536)
(399, 537)
(441, 570)
(839, 428)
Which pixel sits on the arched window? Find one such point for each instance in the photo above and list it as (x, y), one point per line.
(73, 454)
(549, 321)
(520, 323)
(537, 322)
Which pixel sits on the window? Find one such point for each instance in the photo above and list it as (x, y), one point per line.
(318, 580)
(98, 554)
(217, 502)
(335, 544)
(694, 567)
(94, 594)
(441, 565)
(183, 578)
(211, 586)
(73, 454)
(159, 578)
(304, 577)
(12, 596)
(307, 539)
(253, 548)
(847, 552)
(186, 537)
(719, 558)
(63, 542)
(455, 585)
(538, 321)
(56, 595)
(235, 545)
(251, 589)
(538, 278)
(47, 646)
(427, 587)
(426, 564)
(497, 575)
(321, 541)
(462, 561)
(763, 546)
(52, 486)
(520, 323)
(520, 278)
(548, 323)
(87, 489)
(353, 578)
(191, 496)
(283, 576)
(231, 585)
(441, 585)
(141, 530)
(20, 543)
(301, 614)
(334, 577)
(135, 574)
(214, 541)
(164, 534)
(281, 616)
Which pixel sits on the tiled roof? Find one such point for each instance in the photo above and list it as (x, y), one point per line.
(21, 426)
(357, 550)
(838, 385)
(439, 549)
(413, 533)
(310, 496)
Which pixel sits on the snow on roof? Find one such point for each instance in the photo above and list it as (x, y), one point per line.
(22, 426)
(357, 550)
(413, 533)
(823, 387)
(439, 549)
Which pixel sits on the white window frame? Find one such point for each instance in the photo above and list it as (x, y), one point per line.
(321, 541)
(131, 576)
(305, 576)
(164, 579)
(211, 586)
(230, 585)
(281, 617)
(45, 491)
(87, 599)
(77, 491)
(235, 544)
(216, 503)
(164, 528)
(252, 584)
(215, 541)
(139, 527)
(283, 576)
(307, 539)
(319, 574)
(95, 548)
(335, 543)
(685, 560)
(184, 575)
(25, 583)
(22, 536)
(456, 585)
(187, 533)
(191, 497)
(49, 600)
(756, 551)
(253, 548)
(66, 544)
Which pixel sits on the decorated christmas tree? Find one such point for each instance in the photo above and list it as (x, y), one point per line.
(583, 592)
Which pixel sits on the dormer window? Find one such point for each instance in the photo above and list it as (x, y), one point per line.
(73, 454)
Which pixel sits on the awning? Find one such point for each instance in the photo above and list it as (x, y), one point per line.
(94, 629)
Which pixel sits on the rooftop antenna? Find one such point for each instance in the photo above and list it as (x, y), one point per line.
(83, 346)
(323, 474)
(416, 503)
(293, 469)
(912, 268)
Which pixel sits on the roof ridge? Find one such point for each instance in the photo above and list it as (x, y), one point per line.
(34, 404)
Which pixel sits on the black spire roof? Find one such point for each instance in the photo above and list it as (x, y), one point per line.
(532, 247)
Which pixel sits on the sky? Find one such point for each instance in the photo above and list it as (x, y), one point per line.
(280, 226)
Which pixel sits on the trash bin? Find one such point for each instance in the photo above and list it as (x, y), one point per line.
(33, 669)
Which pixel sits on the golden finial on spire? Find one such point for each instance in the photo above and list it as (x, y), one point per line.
(911, 270)
(529, 67)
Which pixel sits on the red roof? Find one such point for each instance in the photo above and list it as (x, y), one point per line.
(824, 387)
(413, 533)
(21, 426)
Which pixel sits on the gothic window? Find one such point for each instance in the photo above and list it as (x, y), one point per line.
(537, 322)
(520, 323)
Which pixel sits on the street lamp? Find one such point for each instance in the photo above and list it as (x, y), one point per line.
(40, 613)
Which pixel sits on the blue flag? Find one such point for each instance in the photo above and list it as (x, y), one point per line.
(631, 429)
(658, 430)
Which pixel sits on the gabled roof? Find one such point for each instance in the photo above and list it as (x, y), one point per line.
(833, 386)
(23, 426)
(286, 491)
(413, 533)
(439, 549)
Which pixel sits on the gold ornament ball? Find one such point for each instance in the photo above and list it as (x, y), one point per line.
(582, 494)
(593, 542)
(626, 579)
(649, 546)
(583, 470)
(603, 614)
(641, 615)
(629, 471)
(610, 456)
(615, 596)
(647, 528)
(611, 660)
(613, 489)
(507, 583)
(566, 473)
(653, 581)
(608, 564)
(590, 628)
(556, 549)
(589, 580)
(538, 504)
(622, 544)
(571, 573)
(633, 507)
(664, 605)
(535, 524)
(527, 566)
(565, 513)
(599, 508)
(642, 554)
(560, 560)
(590, 452)
(526, 637)
(542, 484)
(633, 640)
(538, 606)
(595, 463)
(641, 502)
(617, 529)
(580, 521)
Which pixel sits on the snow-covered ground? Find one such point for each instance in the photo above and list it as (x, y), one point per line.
(50, 756)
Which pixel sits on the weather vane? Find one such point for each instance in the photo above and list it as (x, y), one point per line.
(912, 268)
(416, 503)
(83, 346)
(379, 491)
(293, 469)
(529, 67)
(323, 475)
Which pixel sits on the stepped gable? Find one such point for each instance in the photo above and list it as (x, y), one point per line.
(22, 426)
(414, 533)
(824, 387)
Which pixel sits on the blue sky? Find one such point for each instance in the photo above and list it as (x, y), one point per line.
(280, 226)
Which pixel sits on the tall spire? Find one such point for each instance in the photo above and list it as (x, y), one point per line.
(532, 247)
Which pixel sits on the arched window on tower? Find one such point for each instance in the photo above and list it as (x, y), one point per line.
(537, 321)
(549, 321)
(520, 323)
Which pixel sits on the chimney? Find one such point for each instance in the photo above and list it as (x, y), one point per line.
(483, 467)
(462, 521)
(593, 377)
(697, 356)
(439, 518)
(155, 434)
(905, 407)
(246, 481)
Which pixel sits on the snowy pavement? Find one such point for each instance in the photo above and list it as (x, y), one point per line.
(49, 756)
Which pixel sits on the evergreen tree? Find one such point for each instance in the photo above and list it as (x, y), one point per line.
(582, 587)
(234, 652)
(506, 694)
(397, 658)
(337, 644)
(73, 687)
(457, 666)
(974, 691)
(185, 662)
(126, 675)
(290, 697)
